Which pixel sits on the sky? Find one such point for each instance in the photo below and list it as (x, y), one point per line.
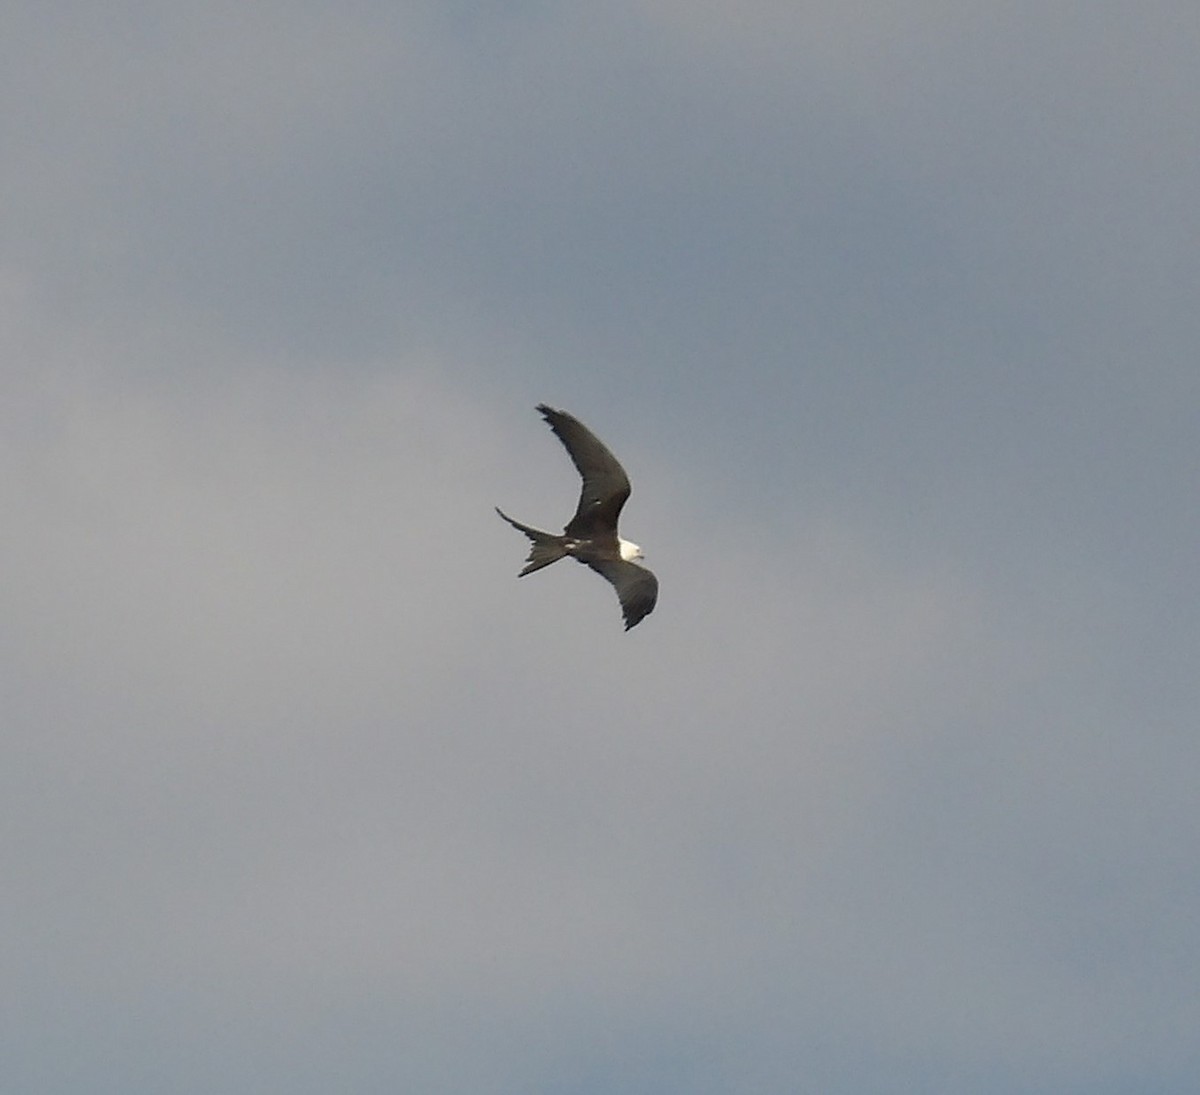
(890, 313)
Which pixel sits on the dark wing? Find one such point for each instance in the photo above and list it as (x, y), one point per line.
(605, 484)
(637, 588)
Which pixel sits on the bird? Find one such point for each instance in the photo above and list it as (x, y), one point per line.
(590, 537)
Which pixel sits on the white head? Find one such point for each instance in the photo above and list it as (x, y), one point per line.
(630, 552)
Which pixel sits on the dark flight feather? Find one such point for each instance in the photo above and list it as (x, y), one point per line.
(637, 588)
(605, 484)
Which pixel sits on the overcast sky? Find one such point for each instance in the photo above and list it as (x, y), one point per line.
(890, 310)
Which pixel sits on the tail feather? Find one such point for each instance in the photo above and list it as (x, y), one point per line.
(545, 548)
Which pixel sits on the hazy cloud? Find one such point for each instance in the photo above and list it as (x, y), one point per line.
(889, 317)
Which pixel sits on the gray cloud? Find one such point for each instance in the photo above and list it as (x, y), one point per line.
(304, 791)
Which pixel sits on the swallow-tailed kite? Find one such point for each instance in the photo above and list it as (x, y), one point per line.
(591, 535)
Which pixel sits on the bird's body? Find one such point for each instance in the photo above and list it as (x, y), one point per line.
(591, 535)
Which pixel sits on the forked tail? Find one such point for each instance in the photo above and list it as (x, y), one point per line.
(545, 548)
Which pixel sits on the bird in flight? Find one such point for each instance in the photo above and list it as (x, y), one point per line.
(590, 536)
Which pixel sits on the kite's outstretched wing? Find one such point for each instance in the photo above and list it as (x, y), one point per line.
(637, 588)
(605, 484)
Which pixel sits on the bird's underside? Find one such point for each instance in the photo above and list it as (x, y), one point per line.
(590, 536)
